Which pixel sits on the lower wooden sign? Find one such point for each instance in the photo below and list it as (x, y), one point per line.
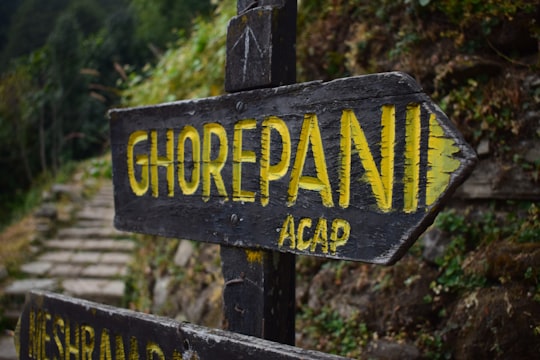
(54, 326)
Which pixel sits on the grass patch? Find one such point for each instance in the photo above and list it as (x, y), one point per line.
(15, 242)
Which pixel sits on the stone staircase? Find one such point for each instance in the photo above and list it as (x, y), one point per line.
(86, 260)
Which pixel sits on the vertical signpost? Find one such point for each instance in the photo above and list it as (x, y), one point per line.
(259, 292)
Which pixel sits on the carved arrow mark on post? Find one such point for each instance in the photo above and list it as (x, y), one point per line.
(247, 35)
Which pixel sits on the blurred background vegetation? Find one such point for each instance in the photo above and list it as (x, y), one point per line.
(63, 63)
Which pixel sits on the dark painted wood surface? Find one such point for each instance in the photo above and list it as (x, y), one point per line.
(259, 291)
(377, 235)
(55, 326)
(260, 45)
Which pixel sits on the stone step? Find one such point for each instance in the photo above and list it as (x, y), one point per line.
(78, 233)
(94, 223)
(86, 288)
(104, 196)
(67, 270)
(88, 261)
(106, 201)
(7, 348)
(90, 244)
(20, 287)
(106, 187)
(15, 293)
(93, 214)
(84, 257)
(104, 291)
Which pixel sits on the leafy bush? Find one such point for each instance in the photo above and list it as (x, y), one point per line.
(336, 334)
(194, 68)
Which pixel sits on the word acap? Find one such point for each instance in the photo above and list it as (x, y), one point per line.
(206, 170)
(295, 235)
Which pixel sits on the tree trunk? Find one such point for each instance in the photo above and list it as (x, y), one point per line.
(42, 151)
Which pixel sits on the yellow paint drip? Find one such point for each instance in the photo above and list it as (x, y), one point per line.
(411, 178)
(440, 161)
(254, 256)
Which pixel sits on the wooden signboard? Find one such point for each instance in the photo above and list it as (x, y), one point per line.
(55, 326)
(352, 169)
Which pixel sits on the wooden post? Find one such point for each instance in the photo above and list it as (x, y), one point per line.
(259, 292)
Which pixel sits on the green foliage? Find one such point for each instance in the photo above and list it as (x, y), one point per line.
(158, 20)
(318, 39)
(65, 53)
(66, 61)
(99, 168)
(88, 14)
(466, 12)
(337, 38)
(7, 9)
(472, 21)
(137, 294)
(404, 44)
(30, 26)
(451, 275)
(434, 346)
(15, 128)
(487, 108)
(474, 231)
(28, 23)
(16, 205)
(336, 335)
(53, 101)
(20, 202)
(526, 229)
(194, 68)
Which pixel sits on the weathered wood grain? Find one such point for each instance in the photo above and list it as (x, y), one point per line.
(261, 45)
(259, 293)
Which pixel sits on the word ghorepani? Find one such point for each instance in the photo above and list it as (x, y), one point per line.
(66, 339)
(206, 166)
(194, 161)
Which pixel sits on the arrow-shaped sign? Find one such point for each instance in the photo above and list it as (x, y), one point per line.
(355, 168)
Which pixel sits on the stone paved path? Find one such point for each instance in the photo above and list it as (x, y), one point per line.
(87, 260)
